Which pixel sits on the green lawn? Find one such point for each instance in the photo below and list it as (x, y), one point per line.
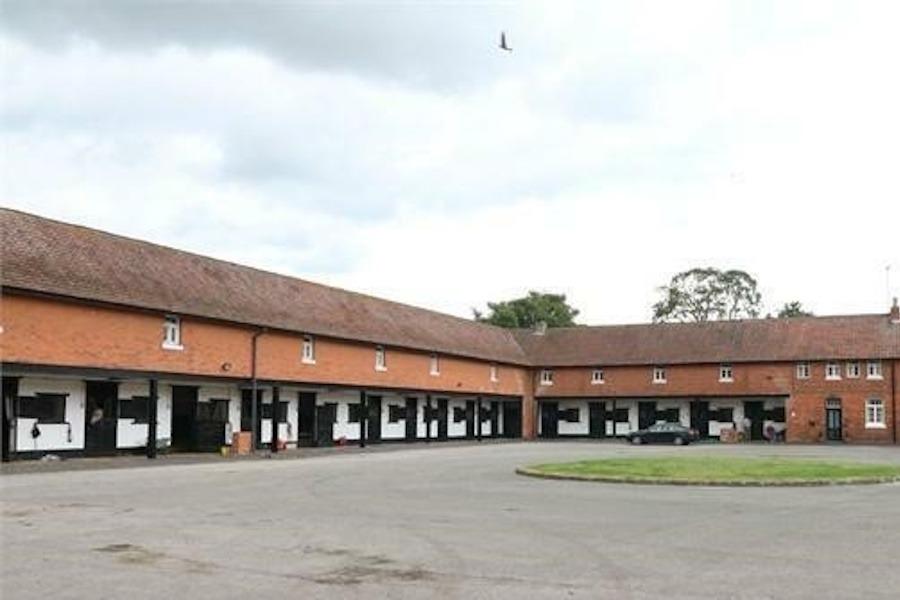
(717, 470)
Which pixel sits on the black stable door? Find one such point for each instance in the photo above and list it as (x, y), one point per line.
(306, 418)
(753, 410)
(184, 417)
(412, 409)
(470, 419)
(700, 417)
(646, 414)
(442, 419)
(512, 419)
(549, 419)
(373, 424)
(597, 419)
(101, 417)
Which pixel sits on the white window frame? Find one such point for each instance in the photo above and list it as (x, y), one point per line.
(726, 373)
(659, 374)
(873, 369)
(435, 365)
(851, 370)
(380, 358)
(597, 376)
(172, 333)
(803, 370)
(494, 376)
(832, 370)
(308, 353)
(546, 376)
(875, 418)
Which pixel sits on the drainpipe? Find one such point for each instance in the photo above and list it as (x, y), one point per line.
(254, 409)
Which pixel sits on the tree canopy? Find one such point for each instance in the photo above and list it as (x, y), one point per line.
(703, 294)
(526, 312)
(793, 309)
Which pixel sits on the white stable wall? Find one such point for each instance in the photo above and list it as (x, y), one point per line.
(54, 436)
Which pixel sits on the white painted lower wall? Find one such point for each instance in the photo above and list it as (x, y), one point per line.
(580, 427)
(53, 436)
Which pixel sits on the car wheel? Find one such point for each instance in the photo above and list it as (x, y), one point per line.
(636, 440)
(679, 441)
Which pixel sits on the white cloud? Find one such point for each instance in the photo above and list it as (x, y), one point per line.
(615, 146)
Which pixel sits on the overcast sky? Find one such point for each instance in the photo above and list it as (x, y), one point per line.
(393, 148)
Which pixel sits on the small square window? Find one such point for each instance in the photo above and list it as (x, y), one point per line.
(172, 333)
(309, 350)
(803, 370)
(380, 359)
(832, 370)
(726, 373)
(493, 373)
(875, 414)
(435, 365)
(873, 369)
(659, 374)
(851, 370)
(547, 377)
(597, 376)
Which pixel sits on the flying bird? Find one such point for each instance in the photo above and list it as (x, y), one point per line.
(503, 45)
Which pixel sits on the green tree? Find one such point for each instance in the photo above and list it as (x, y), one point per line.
(793, 309)
(526, 312)
(708, 294)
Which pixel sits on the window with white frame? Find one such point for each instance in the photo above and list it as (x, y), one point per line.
(873, 369)
(493, 373)
(309, 350)
(380, 359)
(875, 414)
(851, 370)
(659, 374)
(172, 333)
(832, 370)
(726, 373)
(597, 376)
(547, 377)
(803, 370)
(435, 365)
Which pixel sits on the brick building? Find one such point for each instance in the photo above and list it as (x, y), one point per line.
(108, 342)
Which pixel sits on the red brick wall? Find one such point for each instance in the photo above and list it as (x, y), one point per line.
(681, 380)
(39, 331)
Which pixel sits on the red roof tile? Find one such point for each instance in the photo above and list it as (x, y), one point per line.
(47, 256)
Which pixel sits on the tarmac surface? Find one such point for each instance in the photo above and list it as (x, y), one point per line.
(438, 521)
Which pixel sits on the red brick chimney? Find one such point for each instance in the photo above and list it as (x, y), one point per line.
(895, 312)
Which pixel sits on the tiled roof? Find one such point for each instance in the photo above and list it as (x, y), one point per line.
(802, 338)
(47, 256)
(41, 255)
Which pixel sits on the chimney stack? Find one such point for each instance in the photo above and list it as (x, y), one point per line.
(895, 312)
(540, 328)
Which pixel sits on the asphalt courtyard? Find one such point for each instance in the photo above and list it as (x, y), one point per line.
(440, 521)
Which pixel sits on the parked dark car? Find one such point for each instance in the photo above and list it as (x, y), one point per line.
(664, 433)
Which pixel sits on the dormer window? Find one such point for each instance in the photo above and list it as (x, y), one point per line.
(308, 355)
(547, 377)
(380, 359)
(726, 373)
(873, 369)
(435, 365)
(172, 333)
(659, 374)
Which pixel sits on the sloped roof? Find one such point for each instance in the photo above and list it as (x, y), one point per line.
(802, 338)
(46, 256)
(42, 255)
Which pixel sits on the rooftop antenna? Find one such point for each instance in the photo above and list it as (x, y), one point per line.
(503, 44)
(887, 283)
